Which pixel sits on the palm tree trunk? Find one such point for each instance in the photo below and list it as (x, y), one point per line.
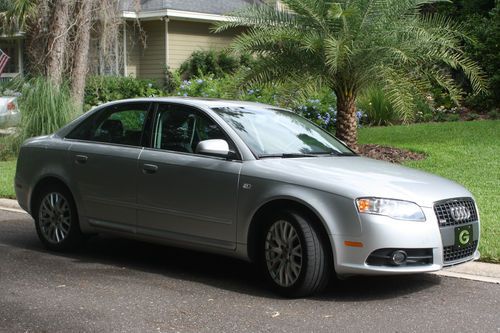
(346, 127)
(81, 54)
(57, 42)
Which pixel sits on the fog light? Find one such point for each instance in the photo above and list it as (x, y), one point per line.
(398, 257)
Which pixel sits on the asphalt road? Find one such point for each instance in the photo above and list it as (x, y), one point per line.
(116, 285)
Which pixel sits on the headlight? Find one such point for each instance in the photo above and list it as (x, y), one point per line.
(397, 209)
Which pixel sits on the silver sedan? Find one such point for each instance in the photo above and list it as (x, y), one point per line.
(245, 180)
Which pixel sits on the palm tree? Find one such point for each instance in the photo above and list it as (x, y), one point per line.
(351, 45)
(15, 14)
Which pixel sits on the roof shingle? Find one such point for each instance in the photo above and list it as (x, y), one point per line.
(219, 7)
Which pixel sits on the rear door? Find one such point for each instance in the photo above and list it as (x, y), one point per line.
(104, 154)
(182, 195)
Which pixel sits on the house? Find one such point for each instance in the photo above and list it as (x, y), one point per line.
(12, 45)
(154, 34)
(174, 29)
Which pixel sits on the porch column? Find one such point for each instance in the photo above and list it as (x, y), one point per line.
(167, 59)
(20, 60)
(125, 71)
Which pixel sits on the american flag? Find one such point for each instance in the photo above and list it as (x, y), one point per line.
(4, 58)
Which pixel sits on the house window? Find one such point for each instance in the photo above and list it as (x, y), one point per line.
(10, 47)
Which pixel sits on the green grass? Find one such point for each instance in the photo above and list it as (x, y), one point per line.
(7, 171)
(467, 152)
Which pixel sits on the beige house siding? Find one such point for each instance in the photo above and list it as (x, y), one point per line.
(133, 48)
(186, 37)
(152, 58)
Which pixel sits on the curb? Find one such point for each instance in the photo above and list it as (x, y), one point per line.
(477, 271)
(11, 205)
(457, 275)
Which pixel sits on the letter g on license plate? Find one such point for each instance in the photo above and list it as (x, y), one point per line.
(463, 235)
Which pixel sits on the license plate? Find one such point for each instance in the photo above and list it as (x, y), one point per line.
(463, 236)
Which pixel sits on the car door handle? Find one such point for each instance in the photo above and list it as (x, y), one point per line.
(81, 159)
(149, 168)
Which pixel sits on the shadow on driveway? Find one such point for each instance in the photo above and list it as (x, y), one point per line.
(216, 271)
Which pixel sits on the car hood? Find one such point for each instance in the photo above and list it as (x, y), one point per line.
(354, 177)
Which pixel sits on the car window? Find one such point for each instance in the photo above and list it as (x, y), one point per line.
(272, 132)
(120, 124)
(181, 128)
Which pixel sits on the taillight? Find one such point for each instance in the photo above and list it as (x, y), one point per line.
(11, 106)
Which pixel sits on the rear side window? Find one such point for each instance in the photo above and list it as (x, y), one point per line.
(119, 124)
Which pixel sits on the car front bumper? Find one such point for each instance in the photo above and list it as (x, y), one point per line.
(380, 232)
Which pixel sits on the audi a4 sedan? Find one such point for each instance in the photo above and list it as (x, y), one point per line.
(246, 180)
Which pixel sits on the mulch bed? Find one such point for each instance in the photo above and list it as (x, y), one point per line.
(389, 154)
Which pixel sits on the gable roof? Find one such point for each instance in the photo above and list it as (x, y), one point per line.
(217, 7)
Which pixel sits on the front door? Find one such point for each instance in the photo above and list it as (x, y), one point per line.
(182, 195)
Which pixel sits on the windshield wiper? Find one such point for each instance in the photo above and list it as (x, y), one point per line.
(287, 155)
(332, 153)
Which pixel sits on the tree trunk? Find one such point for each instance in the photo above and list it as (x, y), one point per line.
(81, 54)
(346, 127)
(57, 43)
(35, 43)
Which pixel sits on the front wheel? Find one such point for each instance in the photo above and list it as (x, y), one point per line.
(56, 219)
(294, 255)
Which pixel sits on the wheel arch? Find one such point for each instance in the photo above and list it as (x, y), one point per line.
(45, 181)
(281, 204)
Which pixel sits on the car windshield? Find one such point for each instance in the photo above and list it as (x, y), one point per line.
(279, 133)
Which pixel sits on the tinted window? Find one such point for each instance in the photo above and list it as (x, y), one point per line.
(180, 128)
(120, 124)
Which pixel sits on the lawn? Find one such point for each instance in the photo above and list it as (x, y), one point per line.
(7, 171)
(466, 152)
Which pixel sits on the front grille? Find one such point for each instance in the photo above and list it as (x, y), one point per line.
(447, 217)
(453, 253)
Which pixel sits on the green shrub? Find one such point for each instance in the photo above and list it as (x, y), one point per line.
(378, 109)
(494, 114)
(102, 89)
(424, 113)
(319, 106)
(172, 80)
(472, 116)
(212, 62)
(486, 51)
(44, 107)
(452, 117)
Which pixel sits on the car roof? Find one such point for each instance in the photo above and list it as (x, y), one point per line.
(198, 102)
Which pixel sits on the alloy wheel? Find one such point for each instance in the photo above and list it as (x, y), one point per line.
(55, 217)
(283, 253)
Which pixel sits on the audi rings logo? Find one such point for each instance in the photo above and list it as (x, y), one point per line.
(460, 213)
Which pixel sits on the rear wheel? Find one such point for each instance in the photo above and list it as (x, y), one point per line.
(294, 255)
(56, 219)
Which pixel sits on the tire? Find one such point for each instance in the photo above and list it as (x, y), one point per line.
(292, 272)
(56, 219)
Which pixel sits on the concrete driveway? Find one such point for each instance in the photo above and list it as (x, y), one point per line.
(116, 285)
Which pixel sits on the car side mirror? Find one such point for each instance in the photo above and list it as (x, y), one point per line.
(214, 147)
